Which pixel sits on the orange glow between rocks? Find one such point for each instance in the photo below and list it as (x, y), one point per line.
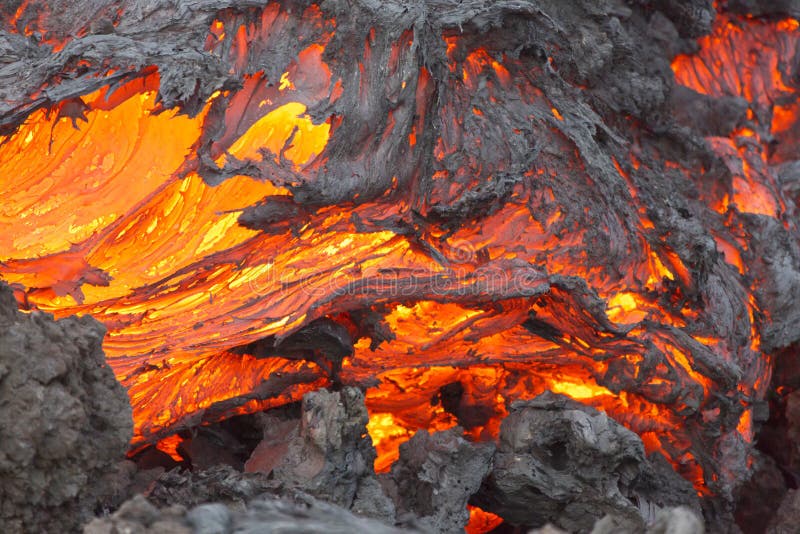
(578, 390)
(169, 445)
(386, 436)
(481, 521)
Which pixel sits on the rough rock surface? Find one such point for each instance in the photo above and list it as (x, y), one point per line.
(221, 483)
(600, 476)
(435, 477)
(782, 438)
(678, 520)
(561, 462)
(65, 421)
(301, 514)
(758, 499)
(328, 453)
(786, 518)
(269, 514)
(139, 516)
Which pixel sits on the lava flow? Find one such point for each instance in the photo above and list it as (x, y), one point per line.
(450, 220)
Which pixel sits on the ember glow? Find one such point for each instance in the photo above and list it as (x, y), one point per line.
(506, 272)
(762, 52)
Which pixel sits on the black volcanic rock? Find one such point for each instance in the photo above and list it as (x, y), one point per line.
(65, 421)
(435, 477)
(766, 7)
(327, 453)
(561, 462)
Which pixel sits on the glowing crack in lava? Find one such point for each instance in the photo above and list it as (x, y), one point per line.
(469, 221)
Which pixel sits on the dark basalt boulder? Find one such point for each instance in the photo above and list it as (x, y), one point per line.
(435, 477)
(327, 453)
(65, 422)
(561, 462)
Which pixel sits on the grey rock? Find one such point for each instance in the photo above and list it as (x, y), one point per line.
(777, 254)
(220, 483)
(709, 116)
(329, 454)
(210, 519)
(613, 524)
(308, 516)
(299, 513)
(372, 501)
(547, 529)
(139, 516)
(65, 422)
(561, 462)
(138, 509)
(437, 474)
(325, 452)
(679, 520)
(786, 518)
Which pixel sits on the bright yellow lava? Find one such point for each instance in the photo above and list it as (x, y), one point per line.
(274, 130)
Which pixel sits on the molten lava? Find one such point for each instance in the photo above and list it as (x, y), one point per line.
(508, 271)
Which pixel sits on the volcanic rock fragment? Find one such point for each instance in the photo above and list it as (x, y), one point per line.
(221, 483)
(706, 115)
(692, 18)
(327, 454)
(300, 514)
(324, 342)
(562, 462)
(758, 499)
(678, 520)
(436, 475)
(65, 422)
(779, 255)
(273, 215)
(785, 520)
(138, 515)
